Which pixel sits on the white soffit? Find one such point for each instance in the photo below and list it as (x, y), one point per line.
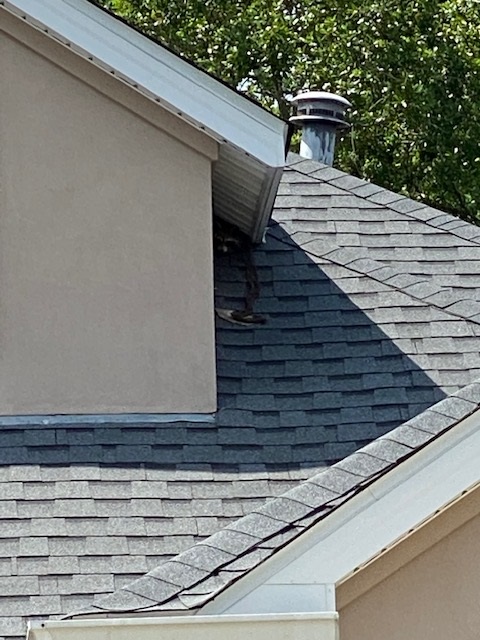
(371, 521)
(254, 137)
(242, 185)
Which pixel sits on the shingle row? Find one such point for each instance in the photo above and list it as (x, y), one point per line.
(70, 531)
(413, 237)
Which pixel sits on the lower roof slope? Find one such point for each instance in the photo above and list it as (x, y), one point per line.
(86, 509)
(353, 348)
(198, 575)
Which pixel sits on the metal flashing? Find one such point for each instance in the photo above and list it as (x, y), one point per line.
(105, 418)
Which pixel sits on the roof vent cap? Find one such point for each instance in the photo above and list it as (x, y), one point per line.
(321, 115)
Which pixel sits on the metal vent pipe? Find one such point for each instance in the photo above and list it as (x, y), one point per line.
(320, 115)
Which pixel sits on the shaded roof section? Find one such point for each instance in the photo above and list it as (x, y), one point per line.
(199, 574)
(342, 359)
(251, 140)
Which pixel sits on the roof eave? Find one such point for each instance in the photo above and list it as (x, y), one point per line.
(152, 69)
(244, 191)
(254, 136)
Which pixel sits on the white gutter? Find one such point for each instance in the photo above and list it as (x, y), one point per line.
(299, 575)
(295, 626)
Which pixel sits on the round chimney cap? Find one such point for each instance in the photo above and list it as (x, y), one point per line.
(313, 96)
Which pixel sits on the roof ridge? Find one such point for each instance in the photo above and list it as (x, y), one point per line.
(220, 560)
(416, 287)
(410, 208)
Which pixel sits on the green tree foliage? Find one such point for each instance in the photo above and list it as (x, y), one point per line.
(411, 70)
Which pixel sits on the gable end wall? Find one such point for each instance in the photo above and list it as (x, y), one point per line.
(424, 588)
(106, 287)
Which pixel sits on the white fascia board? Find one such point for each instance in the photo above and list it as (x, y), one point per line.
(321, 626)
(156, 72)
(356, 532)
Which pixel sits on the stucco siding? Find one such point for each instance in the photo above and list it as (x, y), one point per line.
(106, 289)
(434, 596)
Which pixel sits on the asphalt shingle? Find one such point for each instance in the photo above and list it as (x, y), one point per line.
(370, 321)
(309, 502)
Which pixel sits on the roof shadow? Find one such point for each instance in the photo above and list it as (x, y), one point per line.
(320, 379)
(312, 385)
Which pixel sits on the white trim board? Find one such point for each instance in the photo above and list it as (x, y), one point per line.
(159, 74)
(321, 625)
(369, 522)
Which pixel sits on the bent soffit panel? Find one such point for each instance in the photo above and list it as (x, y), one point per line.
(252, 140)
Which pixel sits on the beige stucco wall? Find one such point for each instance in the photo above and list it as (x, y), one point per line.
(435, 595)
(106, 289)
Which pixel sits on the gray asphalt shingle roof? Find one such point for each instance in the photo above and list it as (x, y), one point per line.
(373, 317)
(199, 574)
